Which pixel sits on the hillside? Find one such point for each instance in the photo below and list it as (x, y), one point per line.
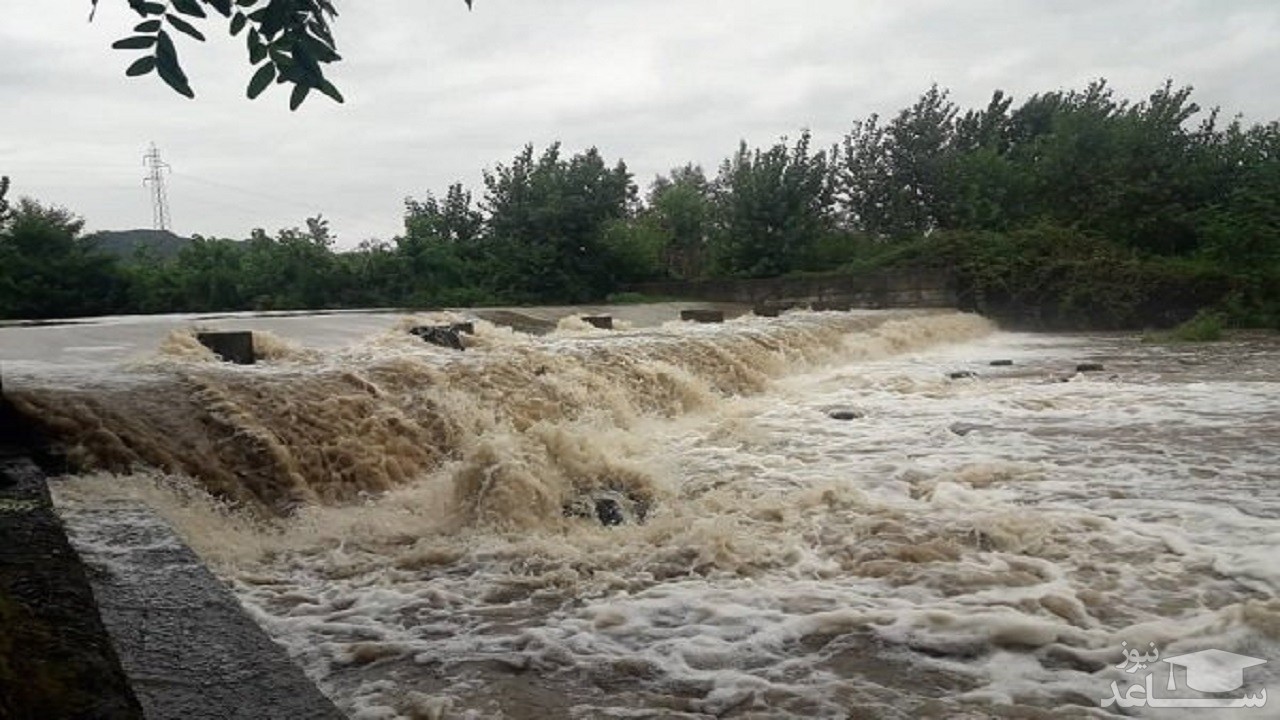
(162, 244)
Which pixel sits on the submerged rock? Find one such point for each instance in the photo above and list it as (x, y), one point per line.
(1001, 363)
(609, 512)
(609, 507)
(1090, 367)
(962, 374)
(844, 414)
(964, 428)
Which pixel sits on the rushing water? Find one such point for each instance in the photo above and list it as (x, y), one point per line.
(971, 547)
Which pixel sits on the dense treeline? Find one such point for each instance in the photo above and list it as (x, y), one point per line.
(1075, 206)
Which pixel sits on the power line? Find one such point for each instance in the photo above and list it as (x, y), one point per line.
(155, 178)
(267, 199)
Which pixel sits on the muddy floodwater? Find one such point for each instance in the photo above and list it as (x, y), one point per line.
(417, 525)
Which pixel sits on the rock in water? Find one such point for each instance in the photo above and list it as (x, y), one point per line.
(962, 374)
(609, 512)
(1001, 363)
(964, 428)
(442, 335)
(608, 507)
(1089, 367)
(844, 414)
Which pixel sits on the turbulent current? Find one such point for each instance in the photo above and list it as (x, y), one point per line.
(976, 541)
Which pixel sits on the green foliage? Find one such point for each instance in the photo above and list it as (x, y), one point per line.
(1206, 326)
(126, 245)
(291, 41)
(681, 207)
(635, 249)
(1047, 276)
(546, 222)
(773, 206)
(48, 270)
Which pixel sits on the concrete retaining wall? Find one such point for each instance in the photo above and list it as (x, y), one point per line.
(125, 623)
(56, 659)
(186, 645)
(882, 290)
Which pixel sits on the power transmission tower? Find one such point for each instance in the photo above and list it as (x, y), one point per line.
(155, 178)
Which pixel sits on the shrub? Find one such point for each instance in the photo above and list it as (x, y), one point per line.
(1204, 327)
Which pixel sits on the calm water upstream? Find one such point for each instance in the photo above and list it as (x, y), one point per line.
(402, 517)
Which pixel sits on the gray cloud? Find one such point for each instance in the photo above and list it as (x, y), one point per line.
(435, 93)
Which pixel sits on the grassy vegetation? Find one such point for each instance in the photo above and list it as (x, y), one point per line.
(1055, 277)
(1204, 327)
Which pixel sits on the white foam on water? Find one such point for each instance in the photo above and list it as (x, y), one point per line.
(964, 546)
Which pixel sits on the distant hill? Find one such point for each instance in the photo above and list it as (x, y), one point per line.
(124, 244)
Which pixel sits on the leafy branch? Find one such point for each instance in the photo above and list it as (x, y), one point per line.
(290, 41)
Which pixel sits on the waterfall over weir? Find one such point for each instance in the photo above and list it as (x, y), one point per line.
(895, 514)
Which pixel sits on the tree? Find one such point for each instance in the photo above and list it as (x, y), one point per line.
(441, 251)
(48, 270)
(892, 179)
(453, 220)
(290, 41)
(680, 206)
(546, 221)
(773, 206)
(1242, 229)
(209, 275)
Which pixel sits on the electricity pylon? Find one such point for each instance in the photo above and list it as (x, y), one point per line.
(155, 178)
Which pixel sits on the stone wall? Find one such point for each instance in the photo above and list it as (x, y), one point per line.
(895, 289)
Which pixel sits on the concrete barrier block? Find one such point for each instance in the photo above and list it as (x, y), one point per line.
(235, 346)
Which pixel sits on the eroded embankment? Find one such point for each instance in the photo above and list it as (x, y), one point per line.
(515, 413)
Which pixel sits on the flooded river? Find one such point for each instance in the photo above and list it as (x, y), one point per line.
(418, 526)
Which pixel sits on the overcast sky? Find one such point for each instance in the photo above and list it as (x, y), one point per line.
(436, 93)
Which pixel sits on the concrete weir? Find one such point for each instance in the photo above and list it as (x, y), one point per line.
(186, 645)
(122, 621)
